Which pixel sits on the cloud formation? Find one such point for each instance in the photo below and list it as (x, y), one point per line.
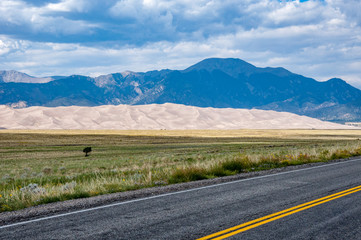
(316, 38)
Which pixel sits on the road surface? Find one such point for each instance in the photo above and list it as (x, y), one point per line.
(322, 202)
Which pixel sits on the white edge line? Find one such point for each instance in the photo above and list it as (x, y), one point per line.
(169, 194)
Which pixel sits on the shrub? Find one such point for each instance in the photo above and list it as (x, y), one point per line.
(235, 166)
(324, 155)
(304, 157)
(219, 171)
(47, 170)
(357, 152)
(87, 150)
(188, 174)
(341, 154)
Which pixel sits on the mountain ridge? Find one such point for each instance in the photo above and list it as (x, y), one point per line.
(15, 76)
(214, 82)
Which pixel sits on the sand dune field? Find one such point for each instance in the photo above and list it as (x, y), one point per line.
(154, 117)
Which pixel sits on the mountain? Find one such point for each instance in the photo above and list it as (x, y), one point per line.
(214, 82)
(14, 76)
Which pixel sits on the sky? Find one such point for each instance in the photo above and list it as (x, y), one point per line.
(315, 38)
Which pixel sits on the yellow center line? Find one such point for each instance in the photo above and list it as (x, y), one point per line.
(263, 220)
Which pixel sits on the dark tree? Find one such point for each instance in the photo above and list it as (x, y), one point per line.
(87, 150)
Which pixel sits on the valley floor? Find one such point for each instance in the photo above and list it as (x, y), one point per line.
(42, 166)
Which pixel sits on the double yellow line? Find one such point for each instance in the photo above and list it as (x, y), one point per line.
(269, 218)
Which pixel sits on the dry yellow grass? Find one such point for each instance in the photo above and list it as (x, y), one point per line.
(125, 160)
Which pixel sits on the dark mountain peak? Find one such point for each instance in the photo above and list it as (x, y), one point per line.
(339, 85)
(234, 67)
(336, 81)
(278, 71)
(231, 66)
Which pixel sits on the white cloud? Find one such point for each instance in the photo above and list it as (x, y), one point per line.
(295, 13)
(350, 9)
(53, 59)
(67, 6)
(3, 48)
(25, 19)
(320, 39)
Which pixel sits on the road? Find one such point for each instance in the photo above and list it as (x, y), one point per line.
(197, 213)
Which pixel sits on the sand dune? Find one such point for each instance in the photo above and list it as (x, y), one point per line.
(154, 116)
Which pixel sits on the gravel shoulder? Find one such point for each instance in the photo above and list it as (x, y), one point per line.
(84, 203)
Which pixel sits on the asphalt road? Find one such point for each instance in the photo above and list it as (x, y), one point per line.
(199, 212)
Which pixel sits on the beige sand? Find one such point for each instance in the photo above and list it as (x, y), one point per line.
(154, 116)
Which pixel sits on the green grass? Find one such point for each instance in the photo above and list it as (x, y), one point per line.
(56, 164)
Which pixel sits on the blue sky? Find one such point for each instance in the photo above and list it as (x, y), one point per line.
(315, 38)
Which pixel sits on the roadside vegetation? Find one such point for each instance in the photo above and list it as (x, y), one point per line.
(44, 167)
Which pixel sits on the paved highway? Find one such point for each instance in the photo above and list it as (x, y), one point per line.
(322, 202)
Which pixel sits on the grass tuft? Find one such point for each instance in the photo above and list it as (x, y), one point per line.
(187, 175)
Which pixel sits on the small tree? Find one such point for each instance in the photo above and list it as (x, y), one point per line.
(87, 150)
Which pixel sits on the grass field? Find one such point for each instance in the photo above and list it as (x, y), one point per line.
(45, 166)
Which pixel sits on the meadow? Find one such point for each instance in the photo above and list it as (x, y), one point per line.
(44, 166)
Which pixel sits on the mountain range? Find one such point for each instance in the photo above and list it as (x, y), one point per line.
(214, 82)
